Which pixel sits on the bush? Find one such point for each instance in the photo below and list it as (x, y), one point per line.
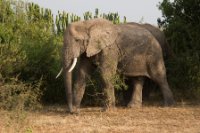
(182, 27)
(94, 95)
(16, 95)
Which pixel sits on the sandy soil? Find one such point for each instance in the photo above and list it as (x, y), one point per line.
(53, 119)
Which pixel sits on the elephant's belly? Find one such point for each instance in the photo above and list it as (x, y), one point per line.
(135, 66)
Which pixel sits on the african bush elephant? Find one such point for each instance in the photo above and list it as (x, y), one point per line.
(128, 49)
(167, 53)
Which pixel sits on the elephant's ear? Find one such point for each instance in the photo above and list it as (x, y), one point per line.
(101, 36)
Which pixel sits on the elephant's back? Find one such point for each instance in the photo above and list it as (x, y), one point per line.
(138, 47)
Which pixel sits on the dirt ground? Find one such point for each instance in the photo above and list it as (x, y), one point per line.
(151, 119)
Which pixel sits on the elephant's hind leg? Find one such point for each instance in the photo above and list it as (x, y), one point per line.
(158, 74)
(136, 98)
(167, 93)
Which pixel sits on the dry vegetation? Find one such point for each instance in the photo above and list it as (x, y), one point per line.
(53, 119)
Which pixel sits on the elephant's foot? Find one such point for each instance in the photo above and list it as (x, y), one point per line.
(169, 103)
(72, 113)
(109, 105)
(74, 110)
(108, 108)
(134, 105)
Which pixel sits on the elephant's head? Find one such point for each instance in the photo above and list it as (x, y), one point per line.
(88, 37)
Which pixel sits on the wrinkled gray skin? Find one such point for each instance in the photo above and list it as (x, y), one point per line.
(167, 53)
(160, 37)
(128, 49)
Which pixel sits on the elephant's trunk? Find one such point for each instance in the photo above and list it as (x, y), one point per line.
(68, 82)
(68, 89)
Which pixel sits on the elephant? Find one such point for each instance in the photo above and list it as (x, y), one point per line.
(167, 53)
(100, 45)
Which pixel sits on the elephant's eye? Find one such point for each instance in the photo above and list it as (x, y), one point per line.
(77, 40)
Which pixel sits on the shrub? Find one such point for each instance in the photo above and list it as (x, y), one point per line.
(16, 95)
(182, 27)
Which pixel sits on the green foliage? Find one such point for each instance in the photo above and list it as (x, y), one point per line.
(30, 47)
(63, 20)
(94, 94)
(182, 27)
(16, 95)
(114, 17)
(119, 82)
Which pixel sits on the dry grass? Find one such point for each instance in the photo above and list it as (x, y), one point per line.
(53, 119)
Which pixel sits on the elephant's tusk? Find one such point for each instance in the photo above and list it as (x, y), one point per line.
(71, 68)
(58, 75)
(73, 65)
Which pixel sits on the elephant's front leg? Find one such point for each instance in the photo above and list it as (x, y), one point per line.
(108, 71)
(136, 99)
(83, 73)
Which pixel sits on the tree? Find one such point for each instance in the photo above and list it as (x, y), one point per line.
(182, 27)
